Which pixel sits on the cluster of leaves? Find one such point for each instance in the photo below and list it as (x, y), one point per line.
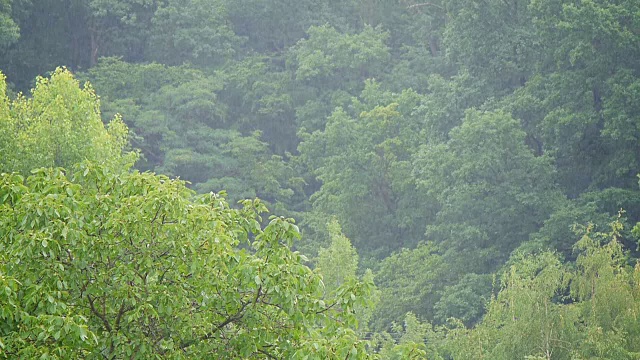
(58, 125)
(131, 265)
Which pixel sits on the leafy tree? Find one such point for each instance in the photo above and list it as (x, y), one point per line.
(524, 319)
(339, 262)
(9, 30)
(183, 130)
(409, 281)
(101, 264)
(492, 189)
(261, 96)
(363, 160)
(564, 122)
(51, 34)
(559, 230)
(445, 104)
(270, 32)
(466, 300)
(548, 310)
(416, 32)
(124, 89)
(59, 125)
(494, 126)
(119, 27)
(607, 289)
(574, 105)
(330, 67)
(411, 341)
(329, 55)
(495, 41)
(338, 265)
(194, 31)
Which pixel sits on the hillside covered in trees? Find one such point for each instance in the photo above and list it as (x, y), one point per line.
(448, 179)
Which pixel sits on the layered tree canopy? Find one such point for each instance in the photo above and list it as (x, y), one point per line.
(463, 175)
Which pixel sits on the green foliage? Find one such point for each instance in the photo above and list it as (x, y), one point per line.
(559, 230)
(495, 41)
(42, 47)
(547, 310)
(273, 26)
(330, 67)
(182, 130)
(573, 102)
(444, 106)
(119, 27)
(263, 97)
(608, 291)
(410, 344)
(408, 282)
(9, 30)
(416, 30)
(102, 264)
(338, 265)
(329, 55)
(485, 130)
(523, 319)
(466, 300)
(363, 161)
(339, 262)
(194, 31)
(493, 190)
(59, 125)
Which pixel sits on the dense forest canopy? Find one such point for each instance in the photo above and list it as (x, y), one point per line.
(463, 177)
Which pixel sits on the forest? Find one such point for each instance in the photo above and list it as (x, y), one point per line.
(298, 179)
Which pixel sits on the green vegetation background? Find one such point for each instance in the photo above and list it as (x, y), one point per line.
(476, 160)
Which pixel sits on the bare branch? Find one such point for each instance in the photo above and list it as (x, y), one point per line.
(424, 4)
(98, 314)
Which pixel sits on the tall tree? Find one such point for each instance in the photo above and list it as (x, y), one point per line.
(547, 310)
(59, 125)
(113, 265)
(9, 30)
(363, 158)
(330, 67)
(575, 105)
(493, 191)
(193, 31)
(495, 41)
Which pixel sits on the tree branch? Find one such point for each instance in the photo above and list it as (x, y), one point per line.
(102, 317)
(210, 335)
(424, 4)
